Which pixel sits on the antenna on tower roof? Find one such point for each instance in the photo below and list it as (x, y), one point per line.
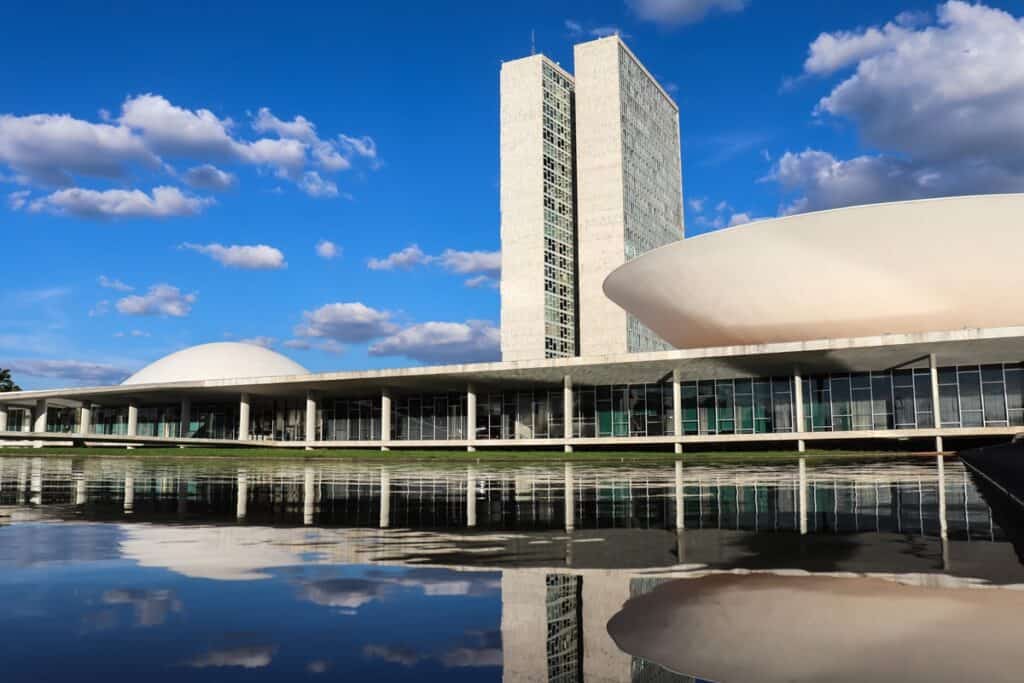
(533, 41)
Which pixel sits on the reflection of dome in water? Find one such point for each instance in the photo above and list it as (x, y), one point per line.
(220, 360)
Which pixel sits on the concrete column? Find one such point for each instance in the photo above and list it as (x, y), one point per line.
(133, 418)
(803, 496)
(680, 500)
(308, 496)
(471, 418)
(798, 401)
(26, 421)
(186, 417)
(570, 507)
(934, 372)
(3, 418)
(39, 416)
(943, 526)
(470, 497)
(677, 410)
(385, 498)
(242, 504)
(85, 419)
(385, 420)
(243, 417)
(567, 412)
(129, 493)
(310, 417)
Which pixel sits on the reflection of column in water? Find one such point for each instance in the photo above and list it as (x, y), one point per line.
(943, 530)
(243, 494)
(470, 497)
(385, 498)
(80, 494)
(22, 481)
(36, 483)
(680, 511)
(570, 508)
(308, 497)
(803, 496)
(182, 497)
(129, 493)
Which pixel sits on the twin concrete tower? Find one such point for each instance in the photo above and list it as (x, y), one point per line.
(591, 177)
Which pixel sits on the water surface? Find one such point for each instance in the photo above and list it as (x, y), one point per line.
(226, 569)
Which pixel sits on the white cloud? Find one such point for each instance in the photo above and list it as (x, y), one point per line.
(465, 262)
(325, 345)
(164, 202)
(101, 308)
(944, 103)
(478, 281)
(209, 177)
(315, 186)
(576, 30)
(443, 342)
(113, 283)
(79, 371)
(161, 299)
(50, 149)
(362, 146)
(265, 342)
(327, 249)
(346, 322)
(299, 128)
(697, 204)
(678, 12)
(405, 259)
(132, 333)
(17, 200)
(248, 257)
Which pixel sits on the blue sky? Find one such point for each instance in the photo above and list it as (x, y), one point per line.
(168, 171)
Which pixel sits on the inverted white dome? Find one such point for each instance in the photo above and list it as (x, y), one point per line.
(220, 360)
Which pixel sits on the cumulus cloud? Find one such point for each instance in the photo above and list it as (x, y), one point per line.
(316, 186)
(132, 333)
(405, 259)
(944, 102)
(443, 342)
(328, 250)
(577, 30)
(346, 322)
(325, 345)
(50, 149)
(265, 342)
(161, 299)
(248, 257)
(484, 265)
(74, 370)
(163, 202)
(60, 150)
(114, 283)
(209, 177)
(16, 200)
(678, 12)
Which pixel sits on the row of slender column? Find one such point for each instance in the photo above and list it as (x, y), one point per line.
(39, 415)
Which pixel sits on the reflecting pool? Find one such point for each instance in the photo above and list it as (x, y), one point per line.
(223, 569)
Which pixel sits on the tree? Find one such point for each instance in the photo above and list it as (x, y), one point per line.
(6, 383)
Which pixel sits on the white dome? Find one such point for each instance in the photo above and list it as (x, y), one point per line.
(220, 360)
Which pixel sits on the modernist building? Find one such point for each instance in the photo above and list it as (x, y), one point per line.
(889, 321)
(590, 178)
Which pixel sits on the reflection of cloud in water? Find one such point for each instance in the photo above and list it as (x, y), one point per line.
(346, 593)
(318, 666)
(395, 654)
(484, 652)
(151, 606)
(249, 657)
(349, 594)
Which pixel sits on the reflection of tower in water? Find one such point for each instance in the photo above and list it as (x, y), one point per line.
(564, 627)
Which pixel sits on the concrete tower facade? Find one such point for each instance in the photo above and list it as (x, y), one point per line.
(538, 211)
(629, 175)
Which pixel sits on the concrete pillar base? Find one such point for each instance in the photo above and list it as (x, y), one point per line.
(308, 448)
(677, 448)
(801, 446)
(567, 448)
(471, 449)
(385, 448)
(938, 444)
